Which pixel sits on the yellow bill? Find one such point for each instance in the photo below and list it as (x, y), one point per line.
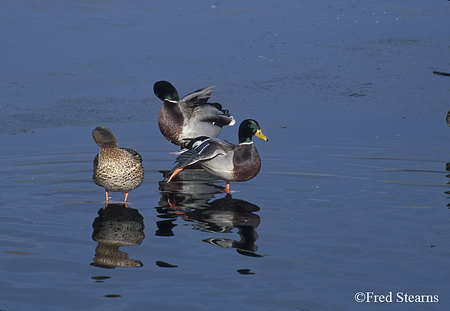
(260, 135)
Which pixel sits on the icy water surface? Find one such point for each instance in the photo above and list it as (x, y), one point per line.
(310, 231)
(350, 204)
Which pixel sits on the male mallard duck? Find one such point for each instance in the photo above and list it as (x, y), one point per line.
(181, 120)
(224, 159)
(116, 169)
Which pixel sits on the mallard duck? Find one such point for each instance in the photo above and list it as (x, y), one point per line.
(191, 116)
(116, 169)
(223, 159)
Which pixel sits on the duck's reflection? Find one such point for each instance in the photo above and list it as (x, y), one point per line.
(117, 225)
(189, 197)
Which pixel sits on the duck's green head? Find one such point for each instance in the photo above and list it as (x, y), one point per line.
(164, 90)
(247, 129)
(104, 136)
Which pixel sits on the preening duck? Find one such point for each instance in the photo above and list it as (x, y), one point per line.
(223, 159)
(116, 169)
(181, 120)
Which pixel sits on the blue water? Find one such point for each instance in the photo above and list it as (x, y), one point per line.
(352, 192)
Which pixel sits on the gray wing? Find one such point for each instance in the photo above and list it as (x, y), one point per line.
(211, 114)
(203, 151)
(197, 107)
(198, 97)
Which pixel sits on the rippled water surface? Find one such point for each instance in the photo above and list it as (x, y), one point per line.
(352, 195)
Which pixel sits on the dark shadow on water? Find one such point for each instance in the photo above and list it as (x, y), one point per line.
(117, 225)
(190, 196)
(447, 168)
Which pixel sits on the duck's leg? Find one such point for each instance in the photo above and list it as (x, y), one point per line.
(126, 197)
(107, 195)
(227, 187)
(175, 173)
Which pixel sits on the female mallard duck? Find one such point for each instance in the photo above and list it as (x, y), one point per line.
(116, 169)
(181, 120)
(224, 159)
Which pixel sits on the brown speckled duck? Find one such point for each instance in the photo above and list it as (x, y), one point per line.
(181, 120)
(116, 169)
(223, 159)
